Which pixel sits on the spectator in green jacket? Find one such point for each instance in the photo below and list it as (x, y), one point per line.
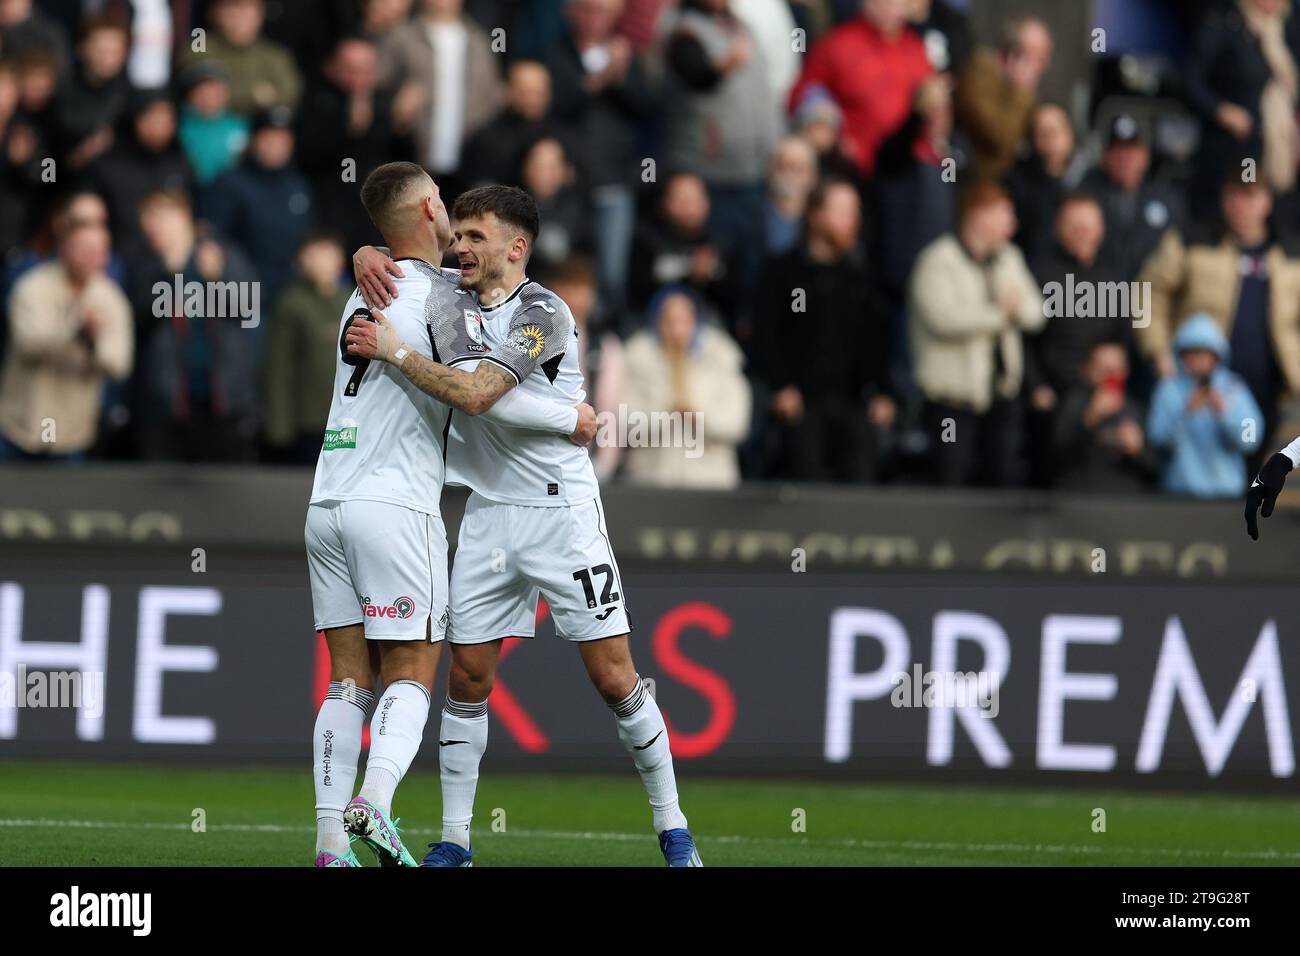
(262, 73)
(302, 342)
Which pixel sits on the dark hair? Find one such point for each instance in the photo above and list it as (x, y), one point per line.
(36, 58)
(1105, 341)
(1009, 35)
(526, 61)
(1076, 199)
(575, 269)
(350, 38)
(320, 234)
(508, 203)
(1046, 105)
(102, 21)
(1233, 178)
(821, 192)
(529, 147)
(61, 222)
(385, 185)
(170, 197)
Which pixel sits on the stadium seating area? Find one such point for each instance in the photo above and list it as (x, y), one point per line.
(859, 238)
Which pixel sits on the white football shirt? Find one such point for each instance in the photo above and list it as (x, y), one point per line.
(532, 335)
(385, 439)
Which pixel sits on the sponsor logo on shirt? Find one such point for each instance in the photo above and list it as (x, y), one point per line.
(474, 329)
(401, 609)
(474, 324)
(336, 438)
(529, 340)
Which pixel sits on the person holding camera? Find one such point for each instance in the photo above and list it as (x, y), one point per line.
(1204, 416)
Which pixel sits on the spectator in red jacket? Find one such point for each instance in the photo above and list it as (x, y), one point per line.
(871, 65)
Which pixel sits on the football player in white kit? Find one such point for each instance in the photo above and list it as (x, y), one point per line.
(533, 522)
(377, 550)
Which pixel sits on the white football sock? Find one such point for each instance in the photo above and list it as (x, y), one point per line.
(336, 744)
(395, 734)
(462, 742)
(641, 728)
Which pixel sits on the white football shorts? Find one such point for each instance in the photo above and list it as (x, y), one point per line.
(380, 565)
(509, 554)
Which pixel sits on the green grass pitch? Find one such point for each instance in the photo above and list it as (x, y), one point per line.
(91, 814)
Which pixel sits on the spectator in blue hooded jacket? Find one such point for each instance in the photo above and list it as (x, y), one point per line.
(1204, 416)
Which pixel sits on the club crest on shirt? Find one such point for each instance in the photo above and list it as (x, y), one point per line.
(474, 329)
(528, 339)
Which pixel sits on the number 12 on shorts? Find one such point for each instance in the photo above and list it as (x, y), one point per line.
(607, 595)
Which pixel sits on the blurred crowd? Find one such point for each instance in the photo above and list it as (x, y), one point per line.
(861, 243)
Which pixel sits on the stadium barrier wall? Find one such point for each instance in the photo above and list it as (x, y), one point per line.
(180, 600)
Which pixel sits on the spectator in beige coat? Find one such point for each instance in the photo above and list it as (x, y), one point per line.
(448, 83)
(69, 334)
(685, 375)
(971, 300)
(1240, 275)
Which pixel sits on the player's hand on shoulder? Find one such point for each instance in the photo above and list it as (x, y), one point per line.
(585, 433)
(360, 336)
(1263, 491)
(374, 273)
(389, 344)
(376, 339)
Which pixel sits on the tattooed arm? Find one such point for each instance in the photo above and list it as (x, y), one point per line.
(474, 393)
(470, 392)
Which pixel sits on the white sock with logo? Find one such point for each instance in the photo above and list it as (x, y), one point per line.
(395, 734)
(336, 746)
(462, 741)
(644, 735)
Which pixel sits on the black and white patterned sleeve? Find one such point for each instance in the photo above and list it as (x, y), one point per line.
(538, 337)
(455, 325)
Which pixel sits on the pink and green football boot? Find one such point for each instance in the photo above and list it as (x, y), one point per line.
(367, 822)
(326, 858)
